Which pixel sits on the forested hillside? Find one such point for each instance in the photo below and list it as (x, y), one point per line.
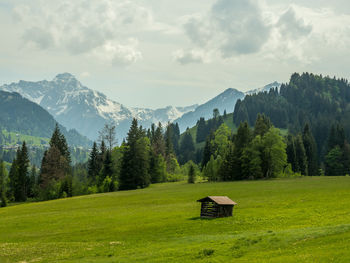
(321, 102)
(23, 116)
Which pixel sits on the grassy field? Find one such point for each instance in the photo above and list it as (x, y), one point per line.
(30, 140)
(285, 220)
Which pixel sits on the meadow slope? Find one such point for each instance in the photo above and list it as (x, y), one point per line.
(285, 220)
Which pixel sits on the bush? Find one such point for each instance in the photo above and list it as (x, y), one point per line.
(191, 175)
(175, 177)
(92, 189)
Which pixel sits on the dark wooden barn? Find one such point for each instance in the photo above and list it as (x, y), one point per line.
(216, 206)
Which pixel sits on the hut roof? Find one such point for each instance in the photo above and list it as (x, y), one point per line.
(220, 200)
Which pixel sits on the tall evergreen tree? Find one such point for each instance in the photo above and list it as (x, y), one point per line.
(262, 125)
(291, 153)
(201, 130)
(135, 163)
(311, 151)
(242, 140)
(93, 165)
(187, 148)
(3, 185)
(59, 141)
(19, 174)
(169, 147)
(158, 143)
(301, 155)
(107, 168)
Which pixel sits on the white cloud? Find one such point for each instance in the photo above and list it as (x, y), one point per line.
(230, 27)
(86, 27)
(235, 28)
(119, 54)
(191, 56)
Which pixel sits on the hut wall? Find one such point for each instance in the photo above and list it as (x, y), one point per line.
(209, 209)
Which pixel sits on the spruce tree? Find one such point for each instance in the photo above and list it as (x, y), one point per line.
(59, 141)
(262, 125)
(301, 155)
(191, 175)
(107, 168)
(21, 178)
(157, 142)
(187, 148)
(311, 151)
(93, 165)
(291, 153)
(201, 130)
(135, 163)
(3, 185)
(241, 141)
(169, 147)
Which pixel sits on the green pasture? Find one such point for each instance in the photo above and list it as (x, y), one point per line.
(283, 220)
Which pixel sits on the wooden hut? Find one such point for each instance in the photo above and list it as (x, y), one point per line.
(216, 206)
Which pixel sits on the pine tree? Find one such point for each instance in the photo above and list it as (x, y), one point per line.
(169, 147)
(20, 174)
(93, 165)
(207, 151)
(291, 153)
(191, 174)
(333, 162)
(226, 170)
(54, 167)
(135, 163)
(311, 151)
(13, 176)
(31, 183)
(201, 130)
(157, 142)
(241, 141)
(262, 125)
(187, 148)
(301, 155)
(3, 184)
(59, 141)
(107, 168)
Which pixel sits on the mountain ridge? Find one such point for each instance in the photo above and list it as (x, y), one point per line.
(85, 110)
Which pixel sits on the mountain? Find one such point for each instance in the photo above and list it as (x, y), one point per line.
(224, 101)
(78, 107)
(266, 88)
(23, 116)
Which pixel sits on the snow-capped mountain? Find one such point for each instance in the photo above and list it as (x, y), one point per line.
(224, 101)
(78, 107)
(86, 110)
(266, 88)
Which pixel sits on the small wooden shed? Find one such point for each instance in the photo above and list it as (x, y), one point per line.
(216, 206)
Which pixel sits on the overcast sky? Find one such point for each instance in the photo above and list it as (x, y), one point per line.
(154, 53)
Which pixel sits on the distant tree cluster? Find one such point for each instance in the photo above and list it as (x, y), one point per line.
(323, 103)
(248, 154)
(204, 128)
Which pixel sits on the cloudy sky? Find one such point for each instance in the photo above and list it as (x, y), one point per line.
(153, 53)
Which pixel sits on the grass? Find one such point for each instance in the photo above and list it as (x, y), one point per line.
(19, 138)
(284, 220)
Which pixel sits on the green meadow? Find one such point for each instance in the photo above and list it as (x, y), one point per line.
(282, 220)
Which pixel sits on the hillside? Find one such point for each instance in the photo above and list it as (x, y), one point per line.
(286, 220)
(19, 115)
(307, 98)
